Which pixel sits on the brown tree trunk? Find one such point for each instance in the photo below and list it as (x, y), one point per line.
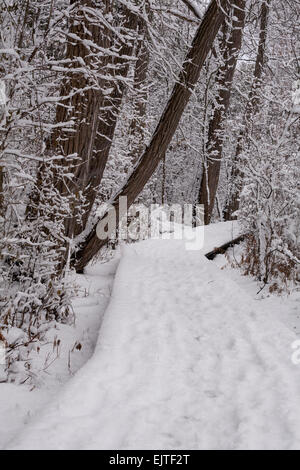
(211, 168)
(80, 99)
(168, 123)
(91, 175)
(251, 109)
(83, 108)
(86, 145)
(138, 123)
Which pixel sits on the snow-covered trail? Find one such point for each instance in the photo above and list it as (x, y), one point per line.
(185, 360)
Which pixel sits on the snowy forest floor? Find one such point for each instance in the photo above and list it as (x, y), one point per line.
(175, 352)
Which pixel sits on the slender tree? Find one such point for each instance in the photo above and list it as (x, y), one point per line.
(231, 42)
(250, 111)
(138, 123)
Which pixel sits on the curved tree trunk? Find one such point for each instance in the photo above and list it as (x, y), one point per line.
(168, 123)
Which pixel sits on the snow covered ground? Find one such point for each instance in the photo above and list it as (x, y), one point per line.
(284, 307)
(188, 357)
(67, 349)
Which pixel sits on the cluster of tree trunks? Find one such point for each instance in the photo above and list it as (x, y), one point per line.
(89, 108)
(167, 125)
(94, 108)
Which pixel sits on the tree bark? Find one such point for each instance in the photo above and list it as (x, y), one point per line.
(168, 122)
(251, 109)
(94, 111)
(211, 167)
(138, 123)
(83, 108)
(92, 174)
(79, 103)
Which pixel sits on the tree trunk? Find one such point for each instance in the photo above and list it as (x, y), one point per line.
(138, 123)
(168, 123)
(211, 168)
(91, 175)
(83, 108)
(94, 111)
(80, 99)
(251, 109)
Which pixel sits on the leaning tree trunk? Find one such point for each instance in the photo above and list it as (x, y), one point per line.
(168, 123)
(251, 109)
(211, 168)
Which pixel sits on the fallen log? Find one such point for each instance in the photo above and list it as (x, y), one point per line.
(220, 250)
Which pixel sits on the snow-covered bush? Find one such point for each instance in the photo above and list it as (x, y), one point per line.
(270, 203)
(32, 244)
(266, 168)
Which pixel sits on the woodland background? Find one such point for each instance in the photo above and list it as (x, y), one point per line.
(163, 101)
